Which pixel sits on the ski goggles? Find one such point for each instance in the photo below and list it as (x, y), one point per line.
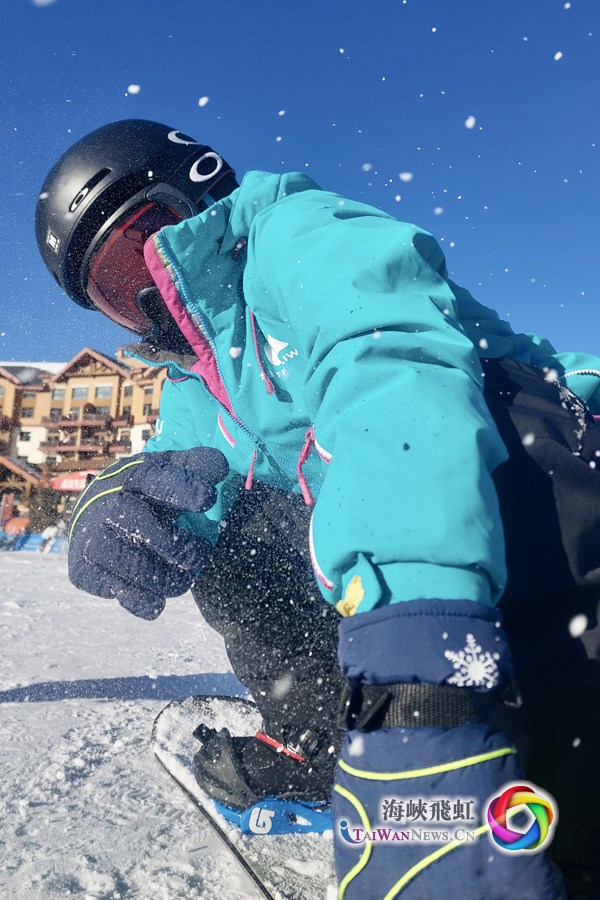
(117, 275)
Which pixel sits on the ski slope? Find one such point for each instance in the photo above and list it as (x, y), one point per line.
(85, 810)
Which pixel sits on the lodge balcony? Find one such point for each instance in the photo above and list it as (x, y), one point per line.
(60, 422)
(119, 447)
(89, 420)
(55, 446)
(87, 445)
(122, 421)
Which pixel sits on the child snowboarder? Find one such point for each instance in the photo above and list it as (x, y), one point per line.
(317, 347)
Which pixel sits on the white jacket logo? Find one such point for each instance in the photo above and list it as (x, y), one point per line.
(274, 352)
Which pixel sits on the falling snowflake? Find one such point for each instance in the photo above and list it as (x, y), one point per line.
(474, 667)
(578, 625)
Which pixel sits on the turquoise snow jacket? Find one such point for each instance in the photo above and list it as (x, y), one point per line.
(333, 356)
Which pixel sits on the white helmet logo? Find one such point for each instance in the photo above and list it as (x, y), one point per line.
(52, 240)
(79, 199)
(174, 136)
(195, 175)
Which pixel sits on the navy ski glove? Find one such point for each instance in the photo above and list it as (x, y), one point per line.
(420, 758)
(123, 540)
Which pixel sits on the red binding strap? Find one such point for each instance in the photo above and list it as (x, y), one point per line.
(279, 747)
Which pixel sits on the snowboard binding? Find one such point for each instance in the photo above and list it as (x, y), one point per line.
(264, 786)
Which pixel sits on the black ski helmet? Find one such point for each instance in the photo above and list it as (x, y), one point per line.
(109, 173)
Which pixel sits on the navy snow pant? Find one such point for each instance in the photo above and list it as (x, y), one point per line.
(259, 592)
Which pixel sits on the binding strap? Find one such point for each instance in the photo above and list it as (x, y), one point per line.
(299, 743)
(369, 707)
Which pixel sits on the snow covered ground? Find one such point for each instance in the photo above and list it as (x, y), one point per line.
(85, 810)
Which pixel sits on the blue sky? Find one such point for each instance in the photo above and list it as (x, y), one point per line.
(479, 121)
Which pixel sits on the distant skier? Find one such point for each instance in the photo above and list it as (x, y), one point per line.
(61, 534)
(317, 348)
(49, 535)
(15, 533)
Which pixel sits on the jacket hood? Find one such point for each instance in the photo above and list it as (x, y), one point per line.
(257, 191)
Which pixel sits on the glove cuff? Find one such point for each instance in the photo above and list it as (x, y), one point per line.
(453, 642)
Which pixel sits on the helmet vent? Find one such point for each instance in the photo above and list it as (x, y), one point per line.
(91, 184)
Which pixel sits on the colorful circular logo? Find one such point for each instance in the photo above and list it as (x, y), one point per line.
(540, 827)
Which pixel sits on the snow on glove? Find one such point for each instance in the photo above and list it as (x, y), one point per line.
(123, 540)
(419, 758)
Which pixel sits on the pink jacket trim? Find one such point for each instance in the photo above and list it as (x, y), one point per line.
(228, 437)
(324, 454)
(206, 366)
(321, 576)
(177, 380)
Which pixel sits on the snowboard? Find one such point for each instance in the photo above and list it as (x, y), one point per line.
(282, 866)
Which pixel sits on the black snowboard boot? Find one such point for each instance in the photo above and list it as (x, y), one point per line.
(239, 771)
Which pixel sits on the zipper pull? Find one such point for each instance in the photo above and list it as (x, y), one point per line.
(309, 441)
(250, 475)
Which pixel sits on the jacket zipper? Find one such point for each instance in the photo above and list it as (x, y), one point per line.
(282, 463)
(595, 372)
(199, 321)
